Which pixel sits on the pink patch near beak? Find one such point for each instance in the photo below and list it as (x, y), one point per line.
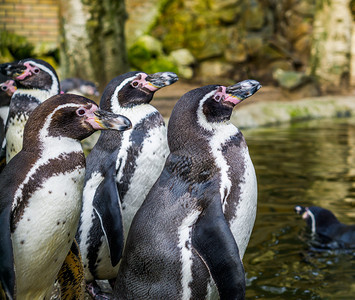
(140, 82)
(90, 117)
(28, 72)
(222, 95)
(11, 87)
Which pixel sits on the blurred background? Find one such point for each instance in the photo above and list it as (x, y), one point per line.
(295, 48)
(305, 47)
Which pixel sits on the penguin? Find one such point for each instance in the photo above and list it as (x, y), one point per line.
(7, 88)
(36, 81)
(121, 168)
(79, 86)
(41, 193)
(327, 227)
(188, 238)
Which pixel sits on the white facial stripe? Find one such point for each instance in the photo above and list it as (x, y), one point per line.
(184, 244)
(52, 147)
(115, 106)
(313, 227)
(201, 118)
(55, 84)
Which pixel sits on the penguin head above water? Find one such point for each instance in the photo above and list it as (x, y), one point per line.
(32, 74)
(317, 218)
(134, 88)
(70, 116)
(205, 108)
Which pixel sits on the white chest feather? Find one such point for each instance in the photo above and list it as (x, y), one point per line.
(4, 112)
(243, 223)
(14, 136)
(149, 164)
(45, 233)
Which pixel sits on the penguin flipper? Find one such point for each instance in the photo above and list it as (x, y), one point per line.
(107, 206)
(214, 242)
(71, 275)
(7, 269)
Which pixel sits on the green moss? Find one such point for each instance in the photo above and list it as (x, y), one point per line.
(161, 64)
(14, 47)
(147, 55)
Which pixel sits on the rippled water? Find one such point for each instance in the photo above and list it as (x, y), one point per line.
(310, 163)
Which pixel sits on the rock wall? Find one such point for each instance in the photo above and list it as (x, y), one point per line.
(231, 39)
(270, 40)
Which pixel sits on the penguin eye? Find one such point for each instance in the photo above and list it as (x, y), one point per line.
(36, 70)
(4, 87)
(135, 83)
(217, 98)
(81, 112)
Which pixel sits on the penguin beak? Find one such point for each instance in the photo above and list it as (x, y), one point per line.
(161, 79)
(154, 82)
(242, 90)
(103, 120)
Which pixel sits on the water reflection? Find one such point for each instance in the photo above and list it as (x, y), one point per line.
(311, 163)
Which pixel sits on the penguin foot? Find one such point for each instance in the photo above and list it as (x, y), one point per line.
(96, 293)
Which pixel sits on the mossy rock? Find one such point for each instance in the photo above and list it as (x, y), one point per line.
(147, 55)
(144, 49)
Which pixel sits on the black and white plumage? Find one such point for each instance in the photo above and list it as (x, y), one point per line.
(36, 81)
(121, 169)
(41, 192)
(79, 86)
(7, 88)
(197, 218)
(327, 227)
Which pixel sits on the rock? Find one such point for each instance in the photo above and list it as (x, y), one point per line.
(254, 16)
(296, 84)
(210, 70)
(143, 50)
(184, 61)
(182, 57)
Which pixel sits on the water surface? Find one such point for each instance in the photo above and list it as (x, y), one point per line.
(309, 163)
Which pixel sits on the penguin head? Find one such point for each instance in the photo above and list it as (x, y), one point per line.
(32, 74)
(205, 108)
(134, 88)
(317, 218)
(70, 116)
(7, 88)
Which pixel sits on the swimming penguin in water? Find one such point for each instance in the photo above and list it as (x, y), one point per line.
(121, 169)
(191, 232)
(41, 192)
(325, 224)
(36, 81)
